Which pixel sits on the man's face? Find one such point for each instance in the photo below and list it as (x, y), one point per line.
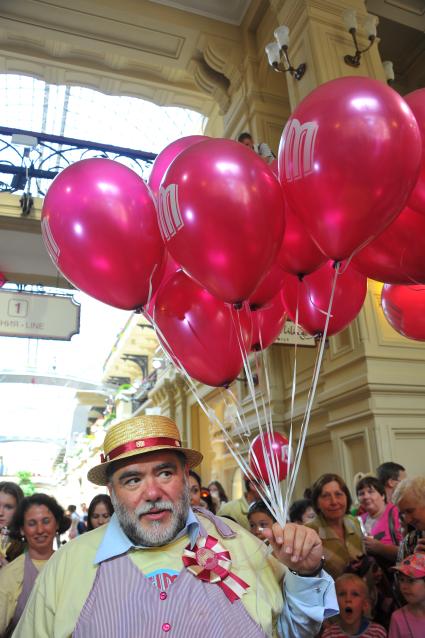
(392, 483)
(151, 497)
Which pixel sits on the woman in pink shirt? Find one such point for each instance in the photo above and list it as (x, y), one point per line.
(380, 521)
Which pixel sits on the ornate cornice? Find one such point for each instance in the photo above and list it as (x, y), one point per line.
(211, 82)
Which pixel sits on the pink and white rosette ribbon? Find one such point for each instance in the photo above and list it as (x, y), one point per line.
(209, 561)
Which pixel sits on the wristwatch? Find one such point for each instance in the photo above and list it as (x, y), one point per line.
(310, 574)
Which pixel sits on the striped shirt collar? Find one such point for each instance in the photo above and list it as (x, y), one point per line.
(115, 542)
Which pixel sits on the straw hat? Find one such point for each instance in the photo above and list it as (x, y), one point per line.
(136, 436)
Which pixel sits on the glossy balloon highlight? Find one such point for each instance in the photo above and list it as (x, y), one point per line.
(100, 228)
(349, 158)
(404, 309)
(275, 446)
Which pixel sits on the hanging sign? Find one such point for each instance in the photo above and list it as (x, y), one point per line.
(38, 316)
(291, 336)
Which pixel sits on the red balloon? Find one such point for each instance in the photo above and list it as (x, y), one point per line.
(168, 155)
(2, 279)
(274, 165)
(268, 288)
(169, 268)
(349, 158)
(267, 323)
(100, 228)
(202, 332)
(404, 309)
(314, 292)
(396, 256)
(298, 255)
(276, 447)
(221, 214)
(416, 101)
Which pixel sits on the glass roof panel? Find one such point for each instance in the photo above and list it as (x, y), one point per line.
(86, 114)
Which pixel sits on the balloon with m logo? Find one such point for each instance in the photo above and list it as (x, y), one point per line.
(100, 228)
(348, 159)
(221, 215)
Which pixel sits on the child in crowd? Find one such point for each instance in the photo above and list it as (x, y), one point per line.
(409, 621)
(259, 518)
(353, 600)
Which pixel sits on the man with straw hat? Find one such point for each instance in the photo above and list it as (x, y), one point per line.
(161, 568)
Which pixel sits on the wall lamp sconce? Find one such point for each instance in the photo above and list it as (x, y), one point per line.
(370, 23)
(277, 54)
(389, 71)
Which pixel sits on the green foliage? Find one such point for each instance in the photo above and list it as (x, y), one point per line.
(25, 482)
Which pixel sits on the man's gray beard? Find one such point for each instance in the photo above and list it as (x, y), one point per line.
(157, 533)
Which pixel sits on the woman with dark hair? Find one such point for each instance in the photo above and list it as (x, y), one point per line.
(199, 496)
(195, 488)
(100, 511)
(339, 532)
(10, 497)
(218, 494)
(38, 518)
(380, 521)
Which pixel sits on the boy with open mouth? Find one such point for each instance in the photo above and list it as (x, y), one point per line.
(353, 600)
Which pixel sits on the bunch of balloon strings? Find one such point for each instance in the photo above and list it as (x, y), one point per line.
(263, 467)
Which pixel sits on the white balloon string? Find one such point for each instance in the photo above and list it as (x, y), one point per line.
(313, 303)
(274, 474)
(294, 375)
(150, 294)
(270, 461)
(312, 393)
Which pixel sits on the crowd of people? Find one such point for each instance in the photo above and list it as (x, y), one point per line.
(374, 549)
(371, 543)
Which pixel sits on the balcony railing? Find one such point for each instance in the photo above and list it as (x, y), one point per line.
(30, 160)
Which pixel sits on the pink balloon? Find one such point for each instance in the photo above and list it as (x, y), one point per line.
(269, 286)
(348, 160)
(100, 228)
(201, 332)
(416, 101)
(274, 165)
(298, 255)
(267, 323)
(396, 256)
(276, 447)
(404, 309)
(168, 269)
(167, 155)
(313, 294)
(221, 213)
